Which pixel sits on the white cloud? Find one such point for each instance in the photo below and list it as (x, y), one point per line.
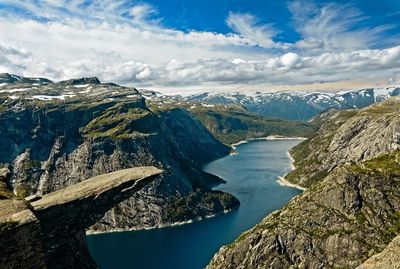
(124, 43)
(142, 11)
(332, 27)
(289, 60)
(248, 27)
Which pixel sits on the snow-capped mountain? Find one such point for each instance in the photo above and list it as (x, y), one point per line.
(13, 87)
(296, 105)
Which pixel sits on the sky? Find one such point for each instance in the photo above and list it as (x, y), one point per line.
(179, 45)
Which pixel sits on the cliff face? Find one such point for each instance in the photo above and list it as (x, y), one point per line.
(387, 259)
(49, 232)
(231, 124)
(20, 236)
(351, 209)
(347, 137)
(57, 134)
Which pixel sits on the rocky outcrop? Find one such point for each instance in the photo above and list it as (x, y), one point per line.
(389, 258)
(347, 137)
(57, 134)
(50, 232)
(351, 209)
(20, 236)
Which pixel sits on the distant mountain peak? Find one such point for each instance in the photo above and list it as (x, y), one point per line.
(6, 78)
(81, 81)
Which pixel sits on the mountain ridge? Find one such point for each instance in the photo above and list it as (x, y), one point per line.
(349, 211)
(57, 134)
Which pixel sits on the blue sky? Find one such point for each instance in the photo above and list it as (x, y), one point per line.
(209, 15)
(205, 44)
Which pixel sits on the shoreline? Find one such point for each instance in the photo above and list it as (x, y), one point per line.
(266, 138)
(292, 161)
(284, 182)
(178, 223)
(281, 181)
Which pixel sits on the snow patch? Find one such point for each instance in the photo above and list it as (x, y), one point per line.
(52, 97)
(15, 90)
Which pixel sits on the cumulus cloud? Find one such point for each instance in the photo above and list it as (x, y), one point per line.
(127, 43)
(289, 68)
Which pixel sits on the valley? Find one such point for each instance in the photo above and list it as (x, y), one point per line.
(58, 134)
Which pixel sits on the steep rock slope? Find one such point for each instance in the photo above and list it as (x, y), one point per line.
(57, 134)
(232, 123)
(389, 258)
(347, 137)
(348, 214)
(50, 231)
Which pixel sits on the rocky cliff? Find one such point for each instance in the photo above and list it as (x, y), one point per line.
(347, 137)
(389, 258)
(351, 208)
(57, 134)
(49, 232)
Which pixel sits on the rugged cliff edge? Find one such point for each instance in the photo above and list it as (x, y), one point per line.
(351, 208)
(57, 134)
(387, 259)
(49, 232)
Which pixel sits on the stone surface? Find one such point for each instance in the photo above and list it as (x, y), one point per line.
(57, 134)
(65, 214)
(20, 236)
(351, 209)
(50, 232)
(389, 258)
(347, 137)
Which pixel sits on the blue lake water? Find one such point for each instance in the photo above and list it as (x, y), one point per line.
(251, 176)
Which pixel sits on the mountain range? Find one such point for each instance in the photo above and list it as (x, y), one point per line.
(58, 134)
(296, 105)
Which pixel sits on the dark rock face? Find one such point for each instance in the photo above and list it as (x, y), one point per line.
(50, 143)
(20, 236)
(11, 79)
(80, 81)
(50, 232)
(351, 209)
(65, 214)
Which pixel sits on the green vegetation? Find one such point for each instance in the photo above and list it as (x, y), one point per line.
(387, 165)
(386, 107)
(307, 154)
(5, 193)
(22, 190)
(31, 164)
(121, 121)
(232, 124)
(185, 207)
(394, 229)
